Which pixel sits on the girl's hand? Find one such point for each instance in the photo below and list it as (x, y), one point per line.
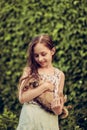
(49, 86)
(57, 105)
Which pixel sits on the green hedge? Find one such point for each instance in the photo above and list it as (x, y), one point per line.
(66, 22)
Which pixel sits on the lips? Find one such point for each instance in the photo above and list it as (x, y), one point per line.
(42, 63)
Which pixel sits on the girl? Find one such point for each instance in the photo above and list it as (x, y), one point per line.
(33, 116)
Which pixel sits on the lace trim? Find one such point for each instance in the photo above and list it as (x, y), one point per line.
(54, 79)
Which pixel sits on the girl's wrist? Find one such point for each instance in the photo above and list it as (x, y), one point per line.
(60, 94)
(43, 88)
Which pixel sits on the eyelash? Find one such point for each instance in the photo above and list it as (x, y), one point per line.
(42, 55)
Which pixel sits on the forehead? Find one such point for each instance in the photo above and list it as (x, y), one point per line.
(40, 47)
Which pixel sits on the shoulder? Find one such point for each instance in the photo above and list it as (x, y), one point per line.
(60, 72)
(26, 71)
(62, 75)
(25, 74)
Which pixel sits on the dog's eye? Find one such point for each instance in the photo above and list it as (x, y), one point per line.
(35, 84)
(25, 88)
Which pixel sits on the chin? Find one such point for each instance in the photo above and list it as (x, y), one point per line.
(43, 66)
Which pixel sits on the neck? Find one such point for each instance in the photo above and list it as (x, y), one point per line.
(46, 70)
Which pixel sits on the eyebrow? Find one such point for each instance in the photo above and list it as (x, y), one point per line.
(40, 52)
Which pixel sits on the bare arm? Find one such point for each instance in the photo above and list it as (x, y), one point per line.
(57, 104)
(30, 94)
(61, 85)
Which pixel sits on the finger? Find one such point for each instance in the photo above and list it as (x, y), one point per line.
(55, 104)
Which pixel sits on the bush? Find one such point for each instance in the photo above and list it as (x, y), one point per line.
(65, 21)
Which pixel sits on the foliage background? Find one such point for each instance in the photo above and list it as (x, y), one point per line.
(66, 22)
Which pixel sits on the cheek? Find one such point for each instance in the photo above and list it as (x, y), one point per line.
(49, 56)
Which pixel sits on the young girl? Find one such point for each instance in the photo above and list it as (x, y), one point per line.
(33, 116)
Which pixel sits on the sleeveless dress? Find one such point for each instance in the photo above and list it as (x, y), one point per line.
(34, 117)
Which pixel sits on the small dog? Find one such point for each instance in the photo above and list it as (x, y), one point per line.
(45, 98)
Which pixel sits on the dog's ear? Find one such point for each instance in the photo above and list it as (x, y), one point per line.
(65, 113)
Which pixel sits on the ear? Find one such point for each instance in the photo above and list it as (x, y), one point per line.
(53, 50)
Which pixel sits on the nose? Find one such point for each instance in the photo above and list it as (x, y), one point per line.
(40, 58)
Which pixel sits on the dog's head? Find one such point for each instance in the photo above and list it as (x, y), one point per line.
(31, 81)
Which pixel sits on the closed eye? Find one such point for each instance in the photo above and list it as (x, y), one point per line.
(43, 54)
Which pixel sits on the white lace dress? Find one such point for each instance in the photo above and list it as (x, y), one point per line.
(34, 117)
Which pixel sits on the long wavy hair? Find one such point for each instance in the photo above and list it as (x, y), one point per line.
(42, 39)
(32, 65)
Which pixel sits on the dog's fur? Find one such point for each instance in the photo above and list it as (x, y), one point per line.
(45, 98)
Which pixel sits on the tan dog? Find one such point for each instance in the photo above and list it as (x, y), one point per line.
(46, 98)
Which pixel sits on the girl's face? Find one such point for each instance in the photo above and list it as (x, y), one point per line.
(43, 55)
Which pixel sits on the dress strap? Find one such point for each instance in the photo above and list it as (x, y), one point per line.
(58, 75)
(57, 72)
